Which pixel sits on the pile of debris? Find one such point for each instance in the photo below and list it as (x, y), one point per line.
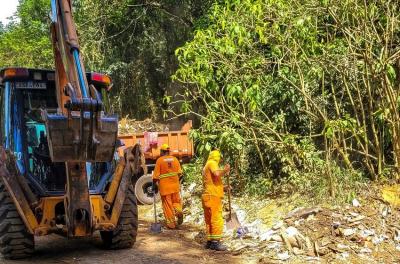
(365, 231)
(368, 231)
(132, 126)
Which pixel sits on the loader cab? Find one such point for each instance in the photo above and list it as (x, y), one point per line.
(24, 93)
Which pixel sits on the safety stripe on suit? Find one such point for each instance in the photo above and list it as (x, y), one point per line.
(166, 175)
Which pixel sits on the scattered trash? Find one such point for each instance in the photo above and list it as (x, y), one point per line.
(385, 210)
(191, 187)
(312, 258)
(292, 231)
(277, 238)
(379, 239)
(365, 250)
(358, 230)
(302, 212)
(348, 231)
(397, 235)
(241, 214)
(242, 231)
(298, 251)
(345, 255)
(356, 219)
(278, 225)
(366, 233)
(283, 256)
(341, 246)
(298, 222)
(267, 236)
(274, 245)
(356, 203)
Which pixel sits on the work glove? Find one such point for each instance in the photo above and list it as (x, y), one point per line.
(227, 168)
(154, 187)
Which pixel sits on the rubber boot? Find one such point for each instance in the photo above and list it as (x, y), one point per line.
(217, 246)
(180, 218)
(207, 246)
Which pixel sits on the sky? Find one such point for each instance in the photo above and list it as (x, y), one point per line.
(7, 9)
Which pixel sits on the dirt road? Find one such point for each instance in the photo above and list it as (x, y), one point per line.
(166, 248)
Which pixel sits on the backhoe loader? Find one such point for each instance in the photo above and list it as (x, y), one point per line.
(59, 168)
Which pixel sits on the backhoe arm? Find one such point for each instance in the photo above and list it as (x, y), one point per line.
(70, 68)
(79, 132)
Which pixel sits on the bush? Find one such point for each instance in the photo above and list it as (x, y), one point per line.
(297, 89)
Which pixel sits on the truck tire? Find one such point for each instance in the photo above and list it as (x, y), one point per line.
(15, 240)
(124, 236)
(143, 191)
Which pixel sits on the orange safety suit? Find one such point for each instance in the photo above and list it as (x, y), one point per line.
(212, 200)
(167, 171)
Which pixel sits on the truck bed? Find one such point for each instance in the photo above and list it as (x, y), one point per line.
(180, 143)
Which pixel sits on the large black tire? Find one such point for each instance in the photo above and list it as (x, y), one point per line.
(15, 240)
(124, 236)
(143, 191)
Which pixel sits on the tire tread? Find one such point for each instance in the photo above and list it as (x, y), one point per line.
(15, 240)
(124, 236)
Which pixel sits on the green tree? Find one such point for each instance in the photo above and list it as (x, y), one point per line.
(135, 41)
(297, 88)
(25, 42)
(2, 29)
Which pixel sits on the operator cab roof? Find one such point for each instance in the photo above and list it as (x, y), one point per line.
(42, 75)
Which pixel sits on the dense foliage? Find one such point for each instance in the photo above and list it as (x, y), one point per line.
(132, 40)
(26, 40)
(135, 41)
(302, 91)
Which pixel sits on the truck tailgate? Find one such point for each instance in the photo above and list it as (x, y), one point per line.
(180, 143)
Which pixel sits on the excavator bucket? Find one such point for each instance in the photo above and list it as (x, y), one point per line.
(81, 138)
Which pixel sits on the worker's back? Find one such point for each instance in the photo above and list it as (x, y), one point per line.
(167, 170)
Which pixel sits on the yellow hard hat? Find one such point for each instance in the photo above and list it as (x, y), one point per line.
(215, 155)
(164, 147)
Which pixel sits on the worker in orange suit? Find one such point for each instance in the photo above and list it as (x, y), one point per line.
(166, 175)
(213, 194)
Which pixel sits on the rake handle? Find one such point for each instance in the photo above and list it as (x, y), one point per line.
(229, 195)
(154, 203)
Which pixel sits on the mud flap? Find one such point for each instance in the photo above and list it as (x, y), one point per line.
(133, 167)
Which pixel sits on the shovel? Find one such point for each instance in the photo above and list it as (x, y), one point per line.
(232, 221)
(155, 227)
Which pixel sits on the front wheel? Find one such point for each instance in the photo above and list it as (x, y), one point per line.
(15, 240)
(124, 236)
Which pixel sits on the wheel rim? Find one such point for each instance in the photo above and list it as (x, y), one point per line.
(148, 189)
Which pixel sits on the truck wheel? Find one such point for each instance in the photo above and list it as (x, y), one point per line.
(124, 236)
(15, 240)
(143, 190)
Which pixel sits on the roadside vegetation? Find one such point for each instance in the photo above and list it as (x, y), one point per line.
(300, 96)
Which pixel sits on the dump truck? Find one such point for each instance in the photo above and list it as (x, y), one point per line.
(181, 147)
(59, 168)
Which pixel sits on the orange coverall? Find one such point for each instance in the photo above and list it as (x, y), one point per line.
(167, 172)
(212, 201)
